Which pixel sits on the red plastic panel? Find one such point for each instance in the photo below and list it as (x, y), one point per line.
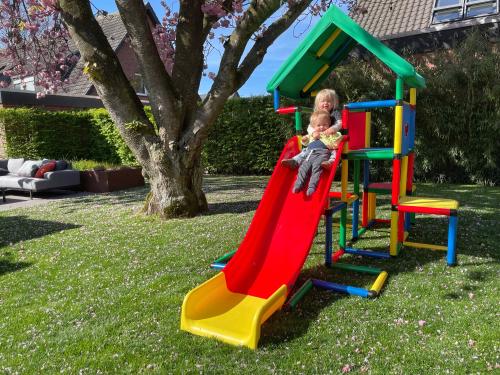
(281, 233)
(338, 194)
(286, 110)
(357, 130)
(380, 185)
(425, 210)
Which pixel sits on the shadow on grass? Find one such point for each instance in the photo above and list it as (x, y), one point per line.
(288, 325)
(7, 266)
(15, 229)
(237, 207)
(115, 198)
(212, 184)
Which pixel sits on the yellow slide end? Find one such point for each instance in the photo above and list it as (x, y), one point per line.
(212, 310)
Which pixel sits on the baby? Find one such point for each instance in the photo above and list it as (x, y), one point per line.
(319, 153)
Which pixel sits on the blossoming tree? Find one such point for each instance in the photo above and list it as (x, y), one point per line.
(35, 35)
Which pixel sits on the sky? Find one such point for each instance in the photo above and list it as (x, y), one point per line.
(275, 56)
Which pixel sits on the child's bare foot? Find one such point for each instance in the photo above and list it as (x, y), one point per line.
(310, 191)
(326, 165)
(289, 163)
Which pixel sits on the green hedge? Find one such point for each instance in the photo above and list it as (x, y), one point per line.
(458, 122)
(458, 114)
(72, 135)
(247, 138)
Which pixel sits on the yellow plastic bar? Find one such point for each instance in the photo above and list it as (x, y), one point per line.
(328, 42)
(398, 129)
(379, 282)
(368, 131)
(406, 234)
(372, 205)
(404, 176)
(444, 203)
(211, 310)
(344, 178)
(393, 250)
(315, 78)
(344, 174)
(352, 198)
(413, 96)
(429, 246)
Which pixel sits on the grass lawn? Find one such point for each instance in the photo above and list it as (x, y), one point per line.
(88, 286)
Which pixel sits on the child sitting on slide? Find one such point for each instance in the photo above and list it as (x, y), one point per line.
(319, 153)
(328, 100)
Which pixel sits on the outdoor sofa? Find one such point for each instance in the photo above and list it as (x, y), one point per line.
(21, 174)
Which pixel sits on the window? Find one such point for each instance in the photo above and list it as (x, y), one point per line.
(25, 84)
(138, 84)
(455, 10)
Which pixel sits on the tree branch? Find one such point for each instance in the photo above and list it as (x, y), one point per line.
(255, 56)
(161, 91)
(189, 41)
(226, 80)
(110, 81)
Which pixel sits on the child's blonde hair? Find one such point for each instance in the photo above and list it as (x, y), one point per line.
(329, 94)
(317, 115)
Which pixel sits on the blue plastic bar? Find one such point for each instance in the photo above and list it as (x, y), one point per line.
(218, 266)
(373, 254)
(355, 218)
(339, 53)
(328, 237)
(366, 174)
(276, 99)
(407, 221)
(337, 206)
(373, 104)
(341, 288)
(451, 255)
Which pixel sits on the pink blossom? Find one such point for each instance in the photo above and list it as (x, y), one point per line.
(346, 368)
(421, 323)
(35, 39)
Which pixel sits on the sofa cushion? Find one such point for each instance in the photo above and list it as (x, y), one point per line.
(13, 165)
(47, 167)
(61, 164)
(29, 168)
(3, 171)
(51, 180)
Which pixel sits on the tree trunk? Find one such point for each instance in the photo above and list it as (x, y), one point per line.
(175, 191)
(174, 172)
(170, 152)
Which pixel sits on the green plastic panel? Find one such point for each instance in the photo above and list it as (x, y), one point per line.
(303, 64)
(378, 191)
(371, 154)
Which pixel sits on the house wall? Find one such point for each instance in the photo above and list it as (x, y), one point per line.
(410, 22)
(129, 64)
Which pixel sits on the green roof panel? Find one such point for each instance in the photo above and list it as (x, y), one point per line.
(327, 45)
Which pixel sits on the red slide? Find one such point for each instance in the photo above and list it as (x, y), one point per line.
(233, 305)
(281, 233)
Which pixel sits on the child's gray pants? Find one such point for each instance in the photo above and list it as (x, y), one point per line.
(311, 165)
